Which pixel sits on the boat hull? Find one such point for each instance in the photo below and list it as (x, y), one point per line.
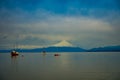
(56, 54)
(14, 53)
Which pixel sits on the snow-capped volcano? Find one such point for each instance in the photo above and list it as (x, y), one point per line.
(63, 43)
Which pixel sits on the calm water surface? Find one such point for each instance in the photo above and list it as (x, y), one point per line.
(68, 66)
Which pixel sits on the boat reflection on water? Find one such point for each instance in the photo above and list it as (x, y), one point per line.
(14, 62)
(14, 56)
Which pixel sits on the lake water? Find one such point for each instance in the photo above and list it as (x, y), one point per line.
(67, 66)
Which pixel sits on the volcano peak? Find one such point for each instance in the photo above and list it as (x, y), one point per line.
(63, 43)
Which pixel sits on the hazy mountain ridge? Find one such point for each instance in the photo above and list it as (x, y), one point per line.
(68, 49)
(106, 49)
(50, 49)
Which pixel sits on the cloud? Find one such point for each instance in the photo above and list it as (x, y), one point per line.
(43, 28)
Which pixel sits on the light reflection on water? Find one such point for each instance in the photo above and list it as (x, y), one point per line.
(68, 66)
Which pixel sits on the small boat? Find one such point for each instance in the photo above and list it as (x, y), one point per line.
(44, 53)
(56, 54)
(14, 53)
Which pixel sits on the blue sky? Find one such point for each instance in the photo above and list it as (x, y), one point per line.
(38, 23)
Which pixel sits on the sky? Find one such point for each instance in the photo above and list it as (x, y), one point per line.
(41, 23)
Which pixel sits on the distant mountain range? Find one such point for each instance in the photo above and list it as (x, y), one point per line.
(65, 46)
(55, 49)
(68, 49)
(106, 49)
